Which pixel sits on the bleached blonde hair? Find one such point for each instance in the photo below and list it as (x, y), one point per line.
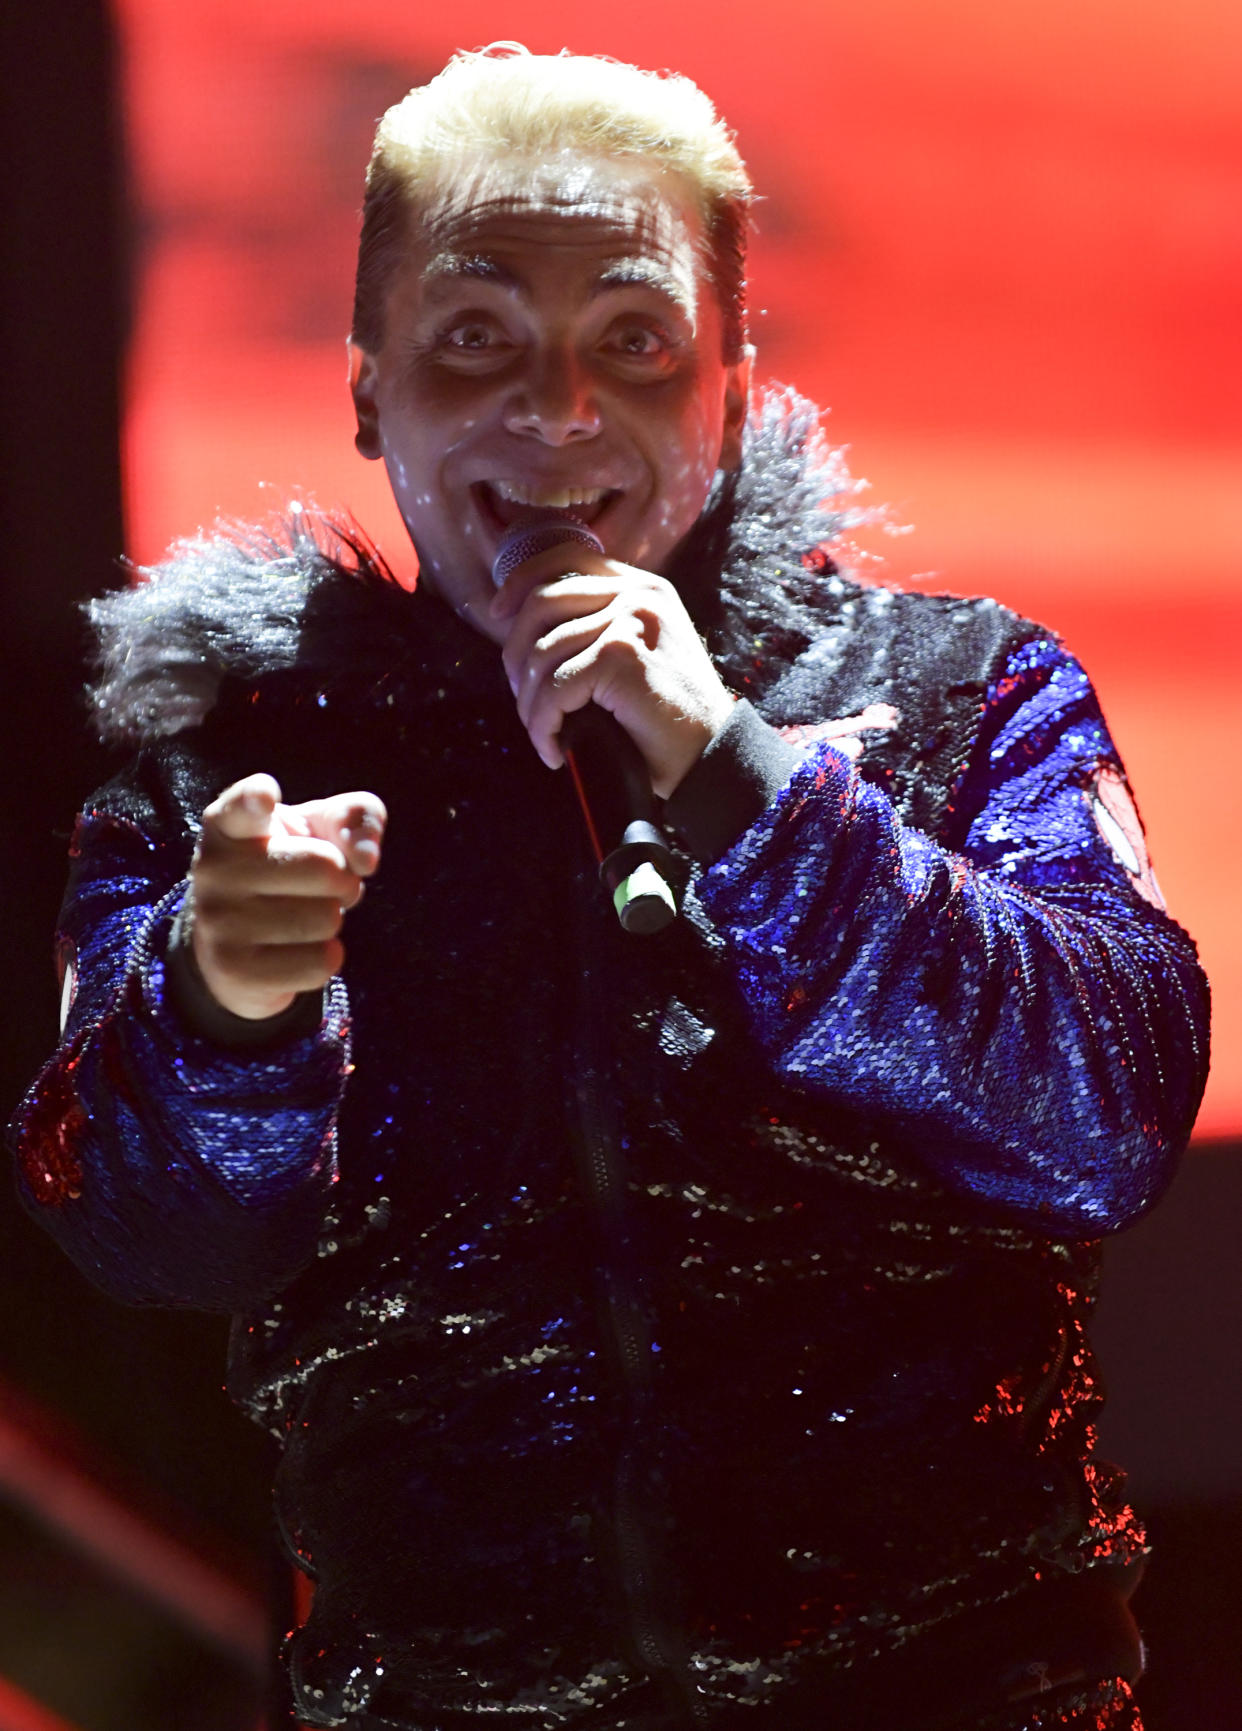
(504, 101)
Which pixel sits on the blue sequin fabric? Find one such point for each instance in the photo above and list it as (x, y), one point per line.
(175, 1196)
(669, 1332)
(1014, 999)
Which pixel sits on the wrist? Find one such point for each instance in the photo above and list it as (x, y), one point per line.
(697, 733)
(205, 1011)
(730, 784)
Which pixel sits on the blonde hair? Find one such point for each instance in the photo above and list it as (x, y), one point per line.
(504, 101)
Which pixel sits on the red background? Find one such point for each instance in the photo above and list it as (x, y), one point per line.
(1003, 242)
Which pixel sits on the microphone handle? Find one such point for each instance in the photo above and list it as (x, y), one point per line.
(636, 865)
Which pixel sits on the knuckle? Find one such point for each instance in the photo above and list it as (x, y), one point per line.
(621, 651)
(206, 902)
(211, 837)
(324, 877)
(215, 923)
(277, 968)
(238, 964)
(353, 894)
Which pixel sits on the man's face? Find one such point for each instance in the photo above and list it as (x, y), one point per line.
(551, 340)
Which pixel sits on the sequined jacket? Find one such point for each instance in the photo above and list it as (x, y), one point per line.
(655, 1328)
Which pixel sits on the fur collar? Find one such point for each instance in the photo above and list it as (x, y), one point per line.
(312, 591)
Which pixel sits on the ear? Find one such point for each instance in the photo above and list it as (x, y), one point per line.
(362, 386)
(736, 409)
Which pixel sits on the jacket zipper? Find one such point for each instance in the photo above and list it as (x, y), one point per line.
(601, 1171)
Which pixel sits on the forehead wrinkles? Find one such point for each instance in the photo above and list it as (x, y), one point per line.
(640, 233)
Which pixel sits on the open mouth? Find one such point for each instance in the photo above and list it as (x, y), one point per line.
(507, 502)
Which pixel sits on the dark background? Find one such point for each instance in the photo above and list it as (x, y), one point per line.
(135, 1397)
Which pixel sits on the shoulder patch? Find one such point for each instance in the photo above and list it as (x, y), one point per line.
(1117, 819)
(846, 731)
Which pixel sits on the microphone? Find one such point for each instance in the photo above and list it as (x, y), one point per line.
(636, 864)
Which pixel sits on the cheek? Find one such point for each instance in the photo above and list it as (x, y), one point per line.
(698, 452)
(422, 430)
(412, 449)
(684, 476)
(413, 487)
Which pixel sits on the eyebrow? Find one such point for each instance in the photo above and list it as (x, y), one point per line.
(450, 267)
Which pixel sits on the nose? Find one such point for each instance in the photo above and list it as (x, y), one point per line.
(554, 400)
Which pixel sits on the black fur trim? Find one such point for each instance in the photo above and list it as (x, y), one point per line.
(248, 601)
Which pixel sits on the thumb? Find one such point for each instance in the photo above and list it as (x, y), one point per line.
(244, 810)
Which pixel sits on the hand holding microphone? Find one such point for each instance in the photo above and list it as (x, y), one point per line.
(610, 676)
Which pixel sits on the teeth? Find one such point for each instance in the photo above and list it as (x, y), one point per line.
(548, 498)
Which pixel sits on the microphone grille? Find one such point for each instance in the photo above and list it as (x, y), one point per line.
(523, 540)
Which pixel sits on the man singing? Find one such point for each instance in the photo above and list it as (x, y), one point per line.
(666, 1330)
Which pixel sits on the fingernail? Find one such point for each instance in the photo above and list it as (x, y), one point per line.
(366, 853)
(254, 803)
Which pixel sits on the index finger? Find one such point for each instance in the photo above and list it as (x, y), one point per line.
(245, 809)
(564, 559)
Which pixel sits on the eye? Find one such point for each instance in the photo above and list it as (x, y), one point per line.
(475, 335)
(639, 347)
(472, 342)
(638, 340)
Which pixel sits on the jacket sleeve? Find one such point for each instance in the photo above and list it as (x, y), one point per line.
(1017, 1010)
(171, 1169)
